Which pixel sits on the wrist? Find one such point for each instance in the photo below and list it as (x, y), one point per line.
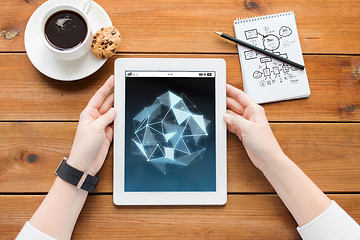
(80, 179)
(81, 165)
(60, 183)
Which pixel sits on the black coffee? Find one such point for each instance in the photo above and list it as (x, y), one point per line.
(65, 30)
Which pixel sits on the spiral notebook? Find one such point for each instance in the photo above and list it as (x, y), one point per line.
(266, 79)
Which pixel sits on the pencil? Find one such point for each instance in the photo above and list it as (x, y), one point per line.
(297, 65)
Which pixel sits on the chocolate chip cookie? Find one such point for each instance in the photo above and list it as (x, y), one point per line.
(105, 42)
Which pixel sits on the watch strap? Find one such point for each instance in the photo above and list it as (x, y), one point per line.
(76, 177)
(90, 183)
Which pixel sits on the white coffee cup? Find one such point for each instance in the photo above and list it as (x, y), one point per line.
(84, 47)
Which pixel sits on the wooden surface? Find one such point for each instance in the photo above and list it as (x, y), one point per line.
(243, 217)
(321, 134)
(329, 26)
(331, 158)
(334, 84)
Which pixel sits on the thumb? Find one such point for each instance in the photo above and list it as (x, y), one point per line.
(236, 121)
(106, 118)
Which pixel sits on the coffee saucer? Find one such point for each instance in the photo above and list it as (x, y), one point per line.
(50, 65)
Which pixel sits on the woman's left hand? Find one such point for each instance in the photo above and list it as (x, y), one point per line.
(94, 132)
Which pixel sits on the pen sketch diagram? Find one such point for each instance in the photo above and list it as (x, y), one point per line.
(269, 71)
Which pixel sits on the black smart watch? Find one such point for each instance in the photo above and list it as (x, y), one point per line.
(76, 177)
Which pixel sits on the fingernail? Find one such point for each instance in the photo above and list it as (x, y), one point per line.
(226, 116)
(112, 110)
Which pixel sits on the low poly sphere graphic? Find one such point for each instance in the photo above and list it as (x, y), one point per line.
(170, 133)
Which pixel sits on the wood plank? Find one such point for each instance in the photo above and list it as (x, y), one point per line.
(186, 26)
(328, 153)
(26, 94)
(243, 217)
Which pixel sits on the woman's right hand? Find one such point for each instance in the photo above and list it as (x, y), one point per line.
(248, 121)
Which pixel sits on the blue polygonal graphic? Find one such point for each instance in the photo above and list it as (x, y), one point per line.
(170, 133)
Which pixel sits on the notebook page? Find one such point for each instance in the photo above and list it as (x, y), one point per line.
(266, 79)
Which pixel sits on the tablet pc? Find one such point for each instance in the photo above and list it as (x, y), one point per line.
(169, 132)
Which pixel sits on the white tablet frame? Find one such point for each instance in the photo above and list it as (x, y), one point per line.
(218, 197)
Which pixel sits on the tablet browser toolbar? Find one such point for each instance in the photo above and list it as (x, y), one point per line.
(169, 74)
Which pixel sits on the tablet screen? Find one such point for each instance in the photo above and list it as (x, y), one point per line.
(169, 131)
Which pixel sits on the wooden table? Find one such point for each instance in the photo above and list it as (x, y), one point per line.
(38, 118)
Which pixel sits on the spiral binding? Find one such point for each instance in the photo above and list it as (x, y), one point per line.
(263, 17)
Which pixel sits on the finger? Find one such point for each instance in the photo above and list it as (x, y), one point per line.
(234, 105)
(97, 100)
(231, 129)
(239, 95)
(107, 104)
(109, 132)
(229, 111)
(255, 113)
(235, 120)
(112, 127)
(106, 118)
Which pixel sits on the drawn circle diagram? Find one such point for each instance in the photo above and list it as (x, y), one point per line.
(257, 74)
(169, 134)
(271, 42)
(285, 31)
